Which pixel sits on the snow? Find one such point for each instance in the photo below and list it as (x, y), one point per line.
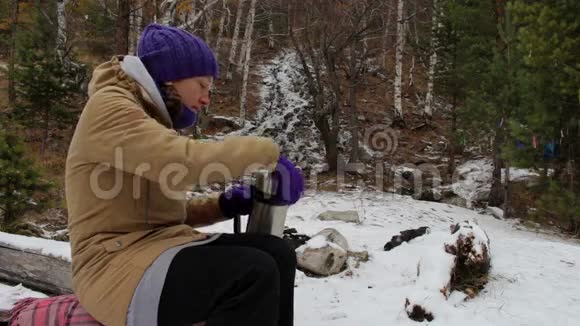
(472, 179)
(534, 278)
(285, 112)
(319, 241)
(495, 211)
(57, 249)
(9, 295)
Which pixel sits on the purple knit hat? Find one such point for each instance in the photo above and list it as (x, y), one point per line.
(171, 54)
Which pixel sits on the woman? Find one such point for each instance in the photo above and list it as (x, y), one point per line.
(136, 258)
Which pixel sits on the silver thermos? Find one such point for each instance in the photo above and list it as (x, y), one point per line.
(265, 218)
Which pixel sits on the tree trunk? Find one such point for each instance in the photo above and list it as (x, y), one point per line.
(235, 40)
(168, 13)
(246, 64)
(271, 43)
(399, 61)
(453, 129)
(330, 139)
(496, 196)
(416, 39)
(12, 63)
(61, 27)
(385, 38)
(247, 35)
(428, 112)
(45, 139)
(34, 270)
(506, 192)
(156, 11)
(354, 154)
(123, 26)
(136, 25)
(225, 14)
(207, 27)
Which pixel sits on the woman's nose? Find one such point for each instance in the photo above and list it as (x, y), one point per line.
(204, 100)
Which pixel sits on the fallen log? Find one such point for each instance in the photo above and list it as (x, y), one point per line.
(34, 270)
(461, 265)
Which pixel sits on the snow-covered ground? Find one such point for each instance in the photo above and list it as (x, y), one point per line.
(10, 294)
(535, 279)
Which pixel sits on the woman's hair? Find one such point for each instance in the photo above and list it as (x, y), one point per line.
(172, 100)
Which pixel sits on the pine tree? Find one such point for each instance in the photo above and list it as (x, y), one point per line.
(495, 100)
(46, 82)
(19, 181)
(466, 35)
(550, 112)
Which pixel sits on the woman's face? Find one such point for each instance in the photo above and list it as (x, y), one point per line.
(194, 92)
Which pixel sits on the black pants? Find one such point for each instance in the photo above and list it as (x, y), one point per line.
(241, 279)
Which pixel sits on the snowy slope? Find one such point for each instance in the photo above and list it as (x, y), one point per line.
(285, 112)
(472, 180)
(535, 280)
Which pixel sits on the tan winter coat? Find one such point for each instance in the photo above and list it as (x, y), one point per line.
(126, 176)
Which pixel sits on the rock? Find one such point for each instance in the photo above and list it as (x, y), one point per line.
(429, 194)
(332, 235)
(324, 254)
(359, 257)
(455, 201)
(495, 212)
(345, 216)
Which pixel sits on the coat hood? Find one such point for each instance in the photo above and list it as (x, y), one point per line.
(128, 72)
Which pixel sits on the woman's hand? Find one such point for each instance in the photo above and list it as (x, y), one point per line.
(236, 201)
(289, 183)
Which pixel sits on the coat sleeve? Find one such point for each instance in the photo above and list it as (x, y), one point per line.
(204, 210)
(120, 134)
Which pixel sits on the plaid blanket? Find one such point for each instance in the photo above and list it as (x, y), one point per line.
(64, 310)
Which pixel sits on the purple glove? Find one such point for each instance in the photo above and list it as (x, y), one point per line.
(236, 201)
(289, 183)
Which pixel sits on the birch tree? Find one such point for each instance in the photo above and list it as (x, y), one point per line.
(61, 27)
(271, 43)
(248, 56)
(428, 111)
(399, 62)
(385, 41)
(12, 63)
(225, 17)
(168, 11)
(235, 40)
(248, 30)
(136, 25)
(208, 15)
